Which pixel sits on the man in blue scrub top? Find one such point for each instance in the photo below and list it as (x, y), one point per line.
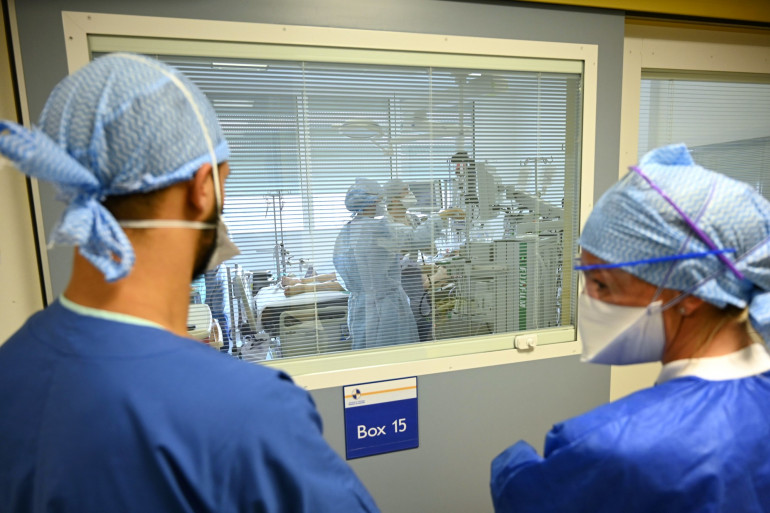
(106, 405)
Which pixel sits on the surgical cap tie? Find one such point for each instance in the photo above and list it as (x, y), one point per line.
(759, 312)
(700, 233)
(82, 220)
(759, 302)
(35, 154)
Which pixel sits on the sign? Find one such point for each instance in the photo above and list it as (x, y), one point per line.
(380, 417)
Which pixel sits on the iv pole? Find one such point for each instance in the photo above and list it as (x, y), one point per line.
(280, 250)
(467, 181)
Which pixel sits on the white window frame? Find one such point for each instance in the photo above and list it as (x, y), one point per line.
(679, 48)
(691, 48)
(395, 361)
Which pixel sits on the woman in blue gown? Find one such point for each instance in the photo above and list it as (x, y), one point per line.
(367, 258)
(676, 263)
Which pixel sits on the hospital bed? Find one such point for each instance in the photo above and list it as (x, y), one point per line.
(304, 324)
(202, 326)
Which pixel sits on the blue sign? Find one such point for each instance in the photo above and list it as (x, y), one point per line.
(380, 417)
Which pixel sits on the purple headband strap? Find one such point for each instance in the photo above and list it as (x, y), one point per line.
(701, 234)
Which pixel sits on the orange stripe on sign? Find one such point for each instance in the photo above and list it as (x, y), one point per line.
(384, 391)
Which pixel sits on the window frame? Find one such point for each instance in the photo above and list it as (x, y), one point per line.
(394, 361)
(684, 48)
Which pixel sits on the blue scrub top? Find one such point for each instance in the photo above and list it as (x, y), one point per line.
(689, 444)
(104, 416)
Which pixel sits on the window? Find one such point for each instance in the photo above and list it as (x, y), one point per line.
(723, 118)
(494, 134)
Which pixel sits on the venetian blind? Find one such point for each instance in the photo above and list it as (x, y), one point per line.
(723, 119)
(498, 145)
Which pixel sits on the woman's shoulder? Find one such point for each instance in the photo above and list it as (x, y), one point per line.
(621, 417)
(670, 416)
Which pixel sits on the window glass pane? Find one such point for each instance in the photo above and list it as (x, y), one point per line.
(495, 147)
(725, 122)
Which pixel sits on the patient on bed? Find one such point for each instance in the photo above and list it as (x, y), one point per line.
(293, 286)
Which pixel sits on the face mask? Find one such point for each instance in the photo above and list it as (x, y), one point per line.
(224, 248)
(620, 335)
(409, 200)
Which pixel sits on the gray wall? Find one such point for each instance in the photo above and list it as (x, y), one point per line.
(466, 417)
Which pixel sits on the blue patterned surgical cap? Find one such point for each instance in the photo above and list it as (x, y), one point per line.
(123, 124)
(633, 222)
(364, 193)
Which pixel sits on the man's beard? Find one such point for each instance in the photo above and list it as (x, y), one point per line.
(206, 247)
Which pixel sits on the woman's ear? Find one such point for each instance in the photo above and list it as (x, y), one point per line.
(689, 305)
(201, 192)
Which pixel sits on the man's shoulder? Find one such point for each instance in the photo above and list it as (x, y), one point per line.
(145, 360)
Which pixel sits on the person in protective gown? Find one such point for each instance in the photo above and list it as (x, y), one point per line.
(414, 236)
(366, 257)
(109, 405)
(676, 262)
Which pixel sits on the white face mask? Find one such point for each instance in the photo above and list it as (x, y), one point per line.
(224, 248)
(620, 335)
(409, 200)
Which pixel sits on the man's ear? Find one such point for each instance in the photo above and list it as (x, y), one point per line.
(201, 189)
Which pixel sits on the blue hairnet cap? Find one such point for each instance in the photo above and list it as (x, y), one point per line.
(364, 193)
(123, 124)
(632, 221)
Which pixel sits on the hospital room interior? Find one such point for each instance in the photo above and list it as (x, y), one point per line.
(485, 130)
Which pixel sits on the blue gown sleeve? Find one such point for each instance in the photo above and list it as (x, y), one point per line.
(666, 449)
(574, 476)
(295, 470)
(407, 238)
